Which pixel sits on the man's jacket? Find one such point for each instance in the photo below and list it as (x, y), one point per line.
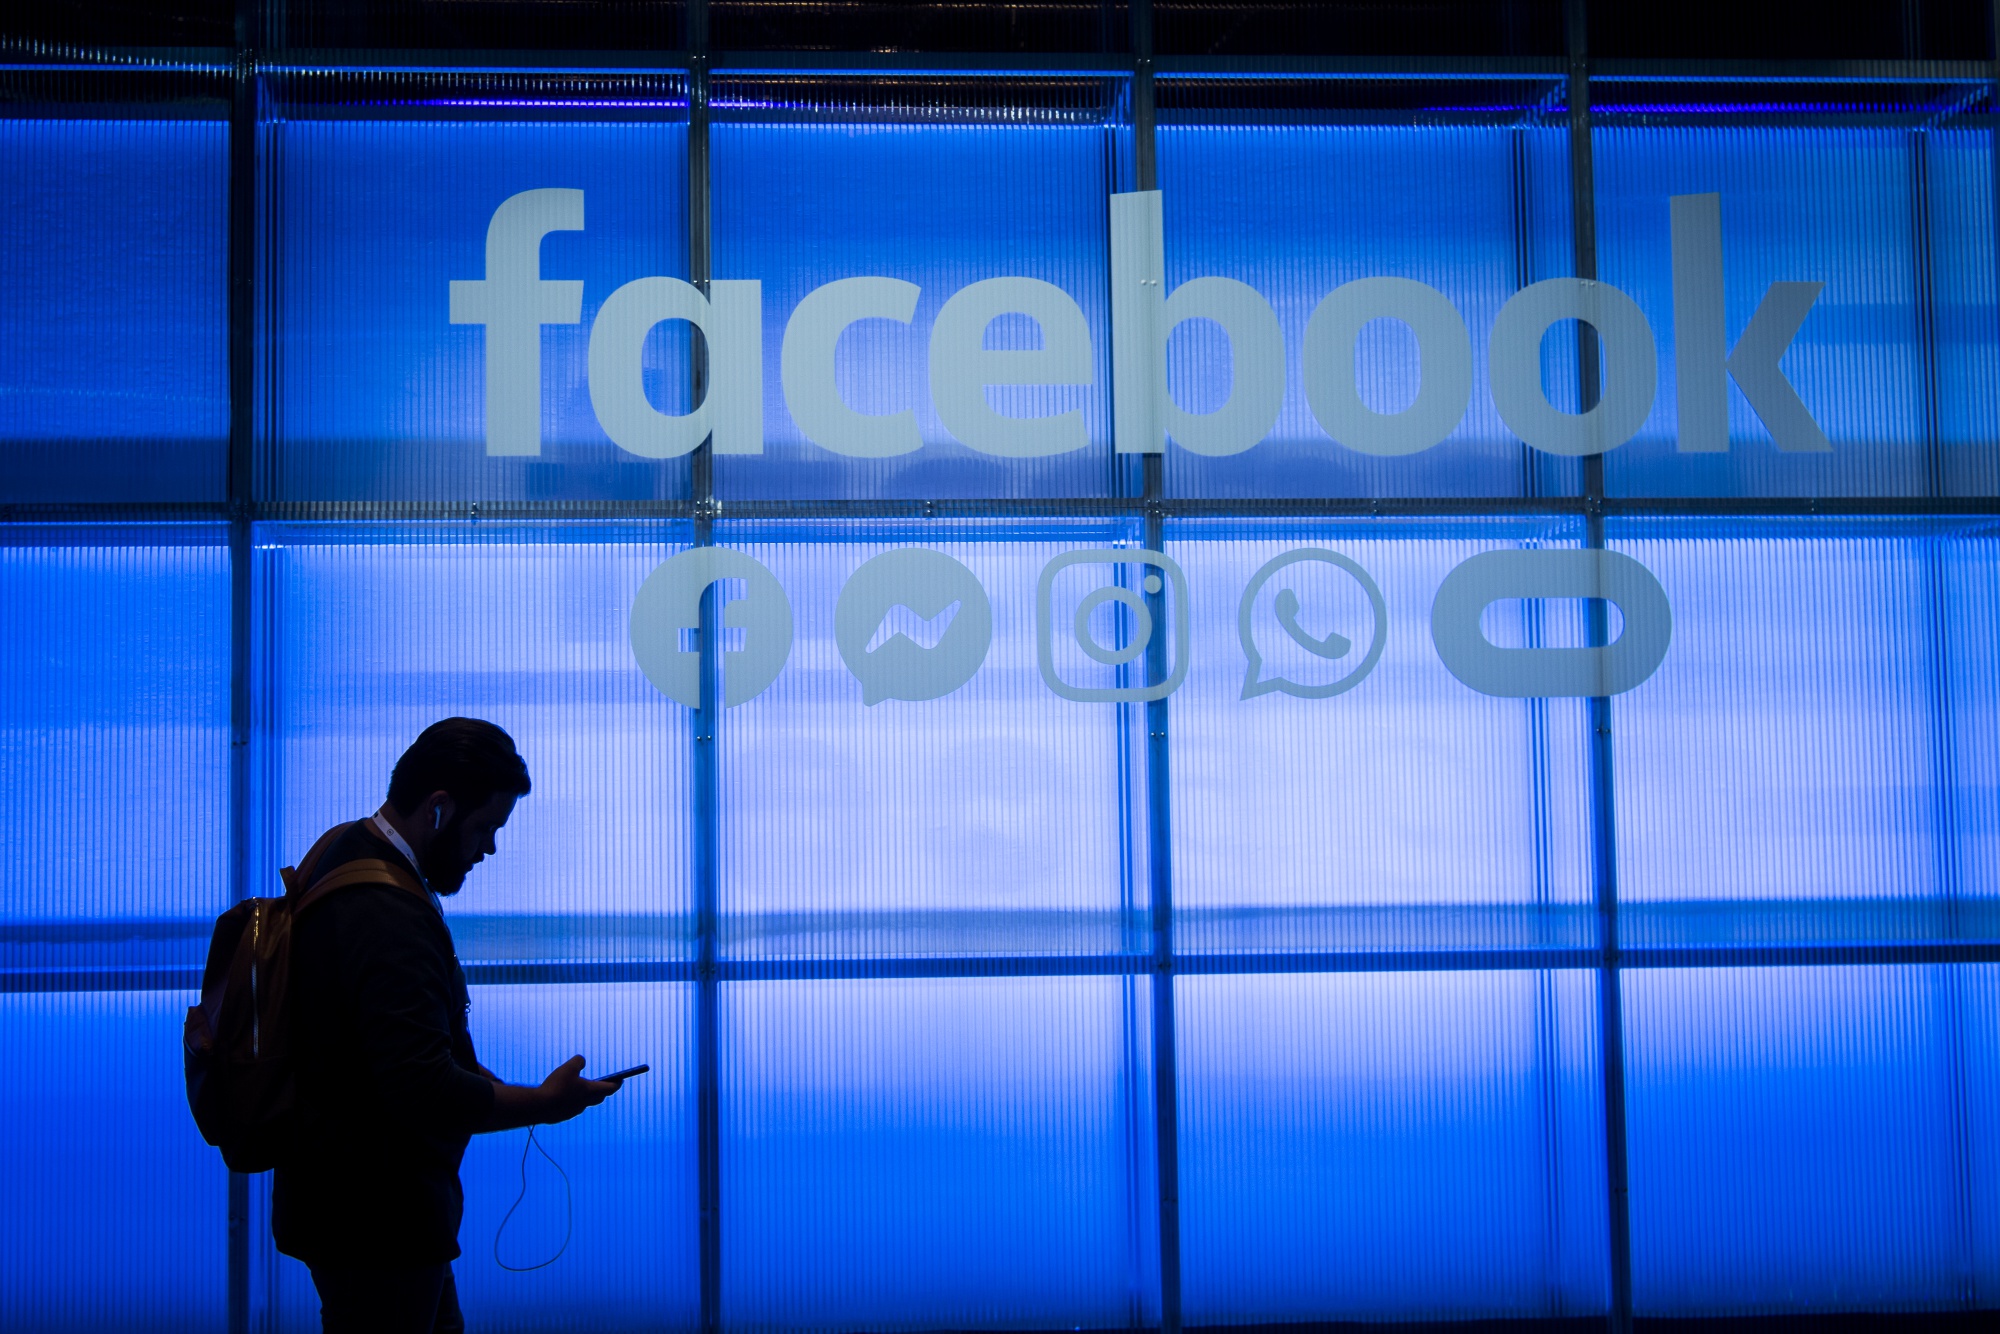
(388, 1084)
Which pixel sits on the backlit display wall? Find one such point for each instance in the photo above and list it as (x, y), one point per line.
(1334, 699)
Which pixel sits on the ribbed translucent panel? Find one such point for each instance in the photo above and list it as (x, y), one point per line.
(1396, 1146)
(1796, 1142)
(114, 742)
(113, 312)
(633, 1257)
(1978, 997)
(1821, 205)
(1780, 778)
(1296, 211)
(113, 1214)
(1971, 564)
(374, 393)
(941, 206)
(1965, 290)
(1815, 761)
(923, 1154)
(374, 635)
(1407, 811)
(988, 821)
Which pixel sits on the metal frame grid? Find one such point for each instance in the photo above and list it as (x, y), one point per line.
(248, 74)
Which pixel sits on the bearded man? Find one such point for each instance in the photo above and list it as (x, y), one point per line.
(389, 1087)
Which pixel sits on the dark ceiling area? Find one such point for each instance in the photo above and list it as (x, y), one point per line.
(1693, 29)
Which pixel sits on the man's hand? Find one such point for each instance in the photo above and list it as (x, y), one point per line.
(564, 1094)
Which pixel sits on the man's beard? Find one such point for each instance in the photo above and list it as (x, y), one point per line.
(444, 870)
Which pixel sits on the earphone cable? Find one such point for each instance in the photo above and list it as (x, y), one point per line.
(569, 1209)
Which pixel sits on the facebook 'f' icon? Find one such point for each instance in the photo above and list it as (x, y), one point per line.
(513, 302)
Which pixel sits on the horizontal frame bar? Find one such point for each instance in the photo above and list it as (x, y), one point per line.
(395, 511)
(549, 973)
(31, 54)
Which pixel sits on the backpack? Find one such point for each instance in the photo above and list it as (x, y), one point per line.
(236, 1042)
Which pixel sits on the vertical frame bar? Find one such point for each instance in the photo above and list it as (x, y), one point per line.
(1547, 1040)
(1603, 809)
(706, 786)
(1120, 175)
(1159, 806)
(1519, 163)
(1924, 286)
(242, 472)
(1943, 739)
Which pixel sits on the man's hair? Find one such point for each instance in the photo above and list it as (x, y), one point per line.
(466, 757)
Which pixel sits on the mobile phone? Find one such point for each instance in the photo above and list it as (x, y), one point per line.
(622, 1074)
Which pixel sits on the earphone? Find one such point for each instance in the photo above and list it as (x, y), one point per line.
(569, 1209)
(438, 817)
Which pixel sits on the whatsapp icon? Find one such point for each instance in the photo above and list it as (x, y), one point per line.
(1329, 646)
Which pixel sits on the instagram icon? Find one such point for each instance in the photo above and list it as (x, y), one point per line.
(1110, 624)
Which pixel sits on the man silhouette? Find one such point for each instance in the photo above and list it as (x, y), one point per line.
(389, 1087)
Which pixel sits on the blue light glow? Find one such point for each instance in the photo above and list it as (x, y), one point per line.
(913, 954)
(366, 360)
(114, 385)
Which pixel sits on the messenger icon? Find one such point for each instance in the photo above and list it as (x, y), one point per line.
(940, 600)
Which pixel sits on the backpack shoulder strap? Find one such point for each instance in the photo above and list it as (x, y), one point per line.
(297, 878)
(306, 887)
(365, 871)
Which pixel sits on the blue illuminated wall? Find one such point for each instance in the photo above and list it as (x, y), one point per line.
(113, 291)
(1256, 202)
(1000, 1010)
(800, 205)
(373, 391)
